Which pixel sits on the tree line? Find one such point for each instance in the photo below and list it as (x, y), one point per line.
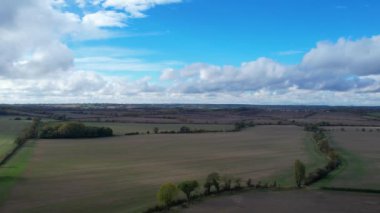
(169, 194)
(28, 133)
(73, 130)
(334, 159)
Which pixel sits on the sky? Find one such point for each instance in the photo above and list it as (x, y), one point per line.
(288, 52)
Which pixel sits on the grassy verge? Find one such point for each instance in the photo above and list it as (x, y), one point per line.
(352, 166)
(11, 172)
(315, 160)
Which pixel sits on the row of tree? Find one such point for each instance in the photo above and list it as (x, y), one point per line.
(334, 160)
(168, 194)
(28, 133)
(73, 130)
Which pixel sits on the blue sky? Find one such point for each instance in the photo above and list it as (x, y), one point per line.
(230, 32)
(192, 51)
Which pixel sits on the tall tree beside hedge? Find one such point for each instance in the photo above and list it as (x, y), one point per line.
(188, 187)
(167, 194)
(299, 172)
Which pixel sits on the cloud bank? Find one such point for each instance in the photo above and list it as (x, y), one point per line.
(347, 65)
(36, 64)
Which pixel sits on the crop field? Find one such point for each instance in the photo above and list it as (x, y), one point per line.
(123, 174)
(290, 202)
(123, 128)
(9, 129)
(361, 152)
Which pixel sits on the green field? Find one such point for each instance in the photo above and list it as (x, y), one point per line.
(10, 174)
(9, 130)
(361, 159)
(123, 174)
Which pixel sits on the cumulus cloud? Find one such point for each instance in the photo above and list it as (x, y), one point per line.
(105, 19)
(135, 8)
(33, 45)
(341, 66)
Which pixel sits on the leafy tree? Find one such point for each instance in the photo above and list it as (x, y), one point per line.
(214, 179)
(188, 187)
(156, 130)
(167, 194)
(227, 181)
(299, 172)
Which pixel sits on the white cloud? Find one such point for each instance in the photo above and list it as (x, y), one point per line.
(105, 19)
(104, 63)
(81, 3)
(135, 8)
(33, 45)
(341, 66)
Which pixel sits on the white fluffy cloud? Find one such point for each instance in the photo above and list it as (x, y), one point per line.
(31, 46)
(105, 19)
(37, 66)
(347, 65)
(135, 8)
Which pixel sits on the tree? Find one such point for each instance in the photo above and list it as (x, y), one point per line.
(188, 187)
(249, 182)
(237, 183)
(156, 130)
(167, 194)
(214, 179)
(207, 187)
(299, 172)
(184, 129)
(227, 181)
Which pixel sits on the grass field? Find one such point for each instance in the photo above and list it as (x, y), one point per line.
(290, 202)
(361, 155)
(9, 129)
(123, 174)
(11, 172)
(122, 128)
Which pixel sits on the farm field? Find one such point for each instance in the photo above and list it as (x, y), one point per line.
(123, 174)
(122, 128)
(290, 202)
(9, 129)
(361, 152)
